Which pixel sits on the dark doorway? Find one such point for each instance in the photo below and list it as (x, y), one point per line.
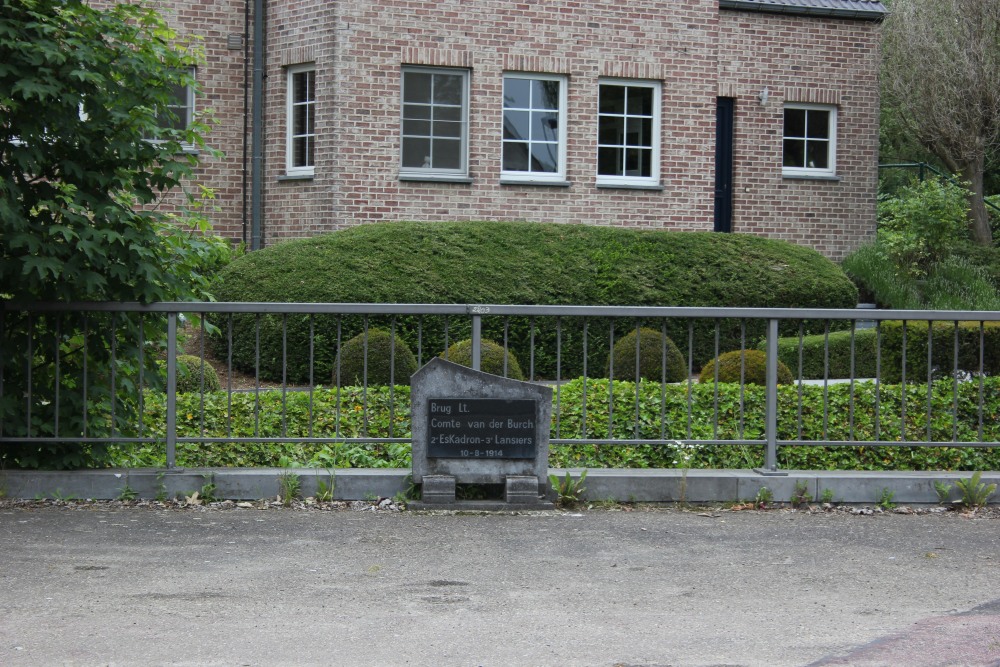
(724, 112)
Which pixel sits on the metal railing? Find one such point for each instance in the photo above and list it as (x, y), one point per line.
(923, 167)
(83, 372)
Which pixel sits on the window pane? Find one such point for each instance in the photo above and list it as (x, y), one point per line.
(516, 92)
(421, 128)
(819, 124)
(448, 113)
(612, 99)
(638, 162)
(515, 156)
(609, 161)
(448, 89)
(416, 111)
(447, 128)
(545, 126)
(640, 132)
(794, 153)
(447, 154)
(640, 101)
(611, 130)
(300, 124)
(545, 157)
(545, 95)
(516, 124)
(818, 155)
(302, 90)
(795, 122)
(416, 153)
(301, 155)
(417, 87)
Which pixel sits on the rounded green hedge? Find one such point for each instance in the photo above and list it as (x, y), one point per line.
(491, 358)
(518, 263)
(189, 375)
(655, 350)
(748, 365)
(390, 360)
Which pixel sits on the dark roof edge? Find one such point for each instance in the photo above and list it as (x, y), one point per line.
(801, 10)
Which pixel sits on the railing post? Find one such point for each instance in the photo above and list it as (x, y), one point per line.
(477, 348)
(171, 390)
(771, 405)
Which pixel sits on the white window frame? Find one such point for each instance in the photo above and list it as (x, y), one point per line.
(185, 111)
(559, 175)
(830, 171)
(626, 180)
(291, 169)
(430, 172)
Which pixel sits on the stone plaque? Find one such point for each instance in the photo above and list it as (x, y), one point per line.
(476, 427)
(481, 428)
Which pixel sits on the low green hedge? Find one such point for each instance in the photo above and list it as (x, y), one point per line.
(816, 365)
(517, 263)
(384, 412)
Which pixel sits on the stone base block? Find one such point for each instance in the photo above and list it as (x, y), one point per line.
(438, 489)
(521, 489)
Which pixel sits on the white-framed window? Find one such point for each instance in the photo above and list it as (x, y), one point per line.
(179, 113)
(435, 119)
(809, 141)
(628, 132)
(534, 127)
(301, 121)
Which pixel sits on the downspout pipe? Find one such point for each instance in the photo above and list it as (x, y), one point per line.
(257, 135)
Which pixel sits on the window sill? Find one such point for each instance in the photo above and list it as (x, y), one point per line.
(630, 186)
(435, 178)
(811, 177)
(296, 177)
(531, 181)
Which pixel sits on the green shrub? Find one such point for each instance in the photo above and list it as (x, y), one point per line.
(715, 411)
(816, 364)
(942, 349)
(659, 358)
(190, 373)
(750, 365)
(516, 263)
(870, 267)
(389, 360)
(492, 358)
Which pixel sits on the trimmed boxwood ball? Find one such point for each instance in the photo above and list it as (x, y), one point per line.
(351, 360)
(189, 372)
(516, 263)
(651, 344)
(754, 368)
(491, 358)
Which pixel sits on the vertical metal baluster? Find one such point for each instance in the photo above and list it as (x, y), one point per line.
(743, 371)
(229, 376)
(58, 380)
(930, 376)
(364, 376)
(477, 342)
(256, 382)
(638, 371)
(420, 341)
(715, 395)
(771, 409)
(142, 364)
(663, 380)
(114, 363)
(690, 373)
(312, 368)
(202, 379)
(531, 362)
(801, 333)
(954, 395)
(506, 347)
(611, 382)
(826, 380)
(284, 375)
(559, 379)
(982, 355)
(392, 374)
(171, 434)
(27, 372)
(3, 359)
(850, 408)
(583, 414)
(878, 380)
(86, 354)
(902, 407)
(446, 338)
(339, 350)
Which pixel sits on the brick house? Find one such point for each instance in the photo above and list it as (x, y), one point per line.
(751, 116)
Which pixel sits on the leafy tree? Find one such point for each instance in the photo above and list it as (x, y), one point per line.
(939, 73)
(86, 149)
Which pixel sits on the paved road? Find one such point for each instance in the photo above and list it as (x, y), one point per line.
(103, 586)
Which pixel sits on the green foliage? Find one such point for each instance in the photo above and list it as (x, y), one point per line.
(816, 363)
(764, 497)
(885, 498)
(289, 487)
(922, 224)
(658, 357)
(127, 493)
(880, 279)
(827, 496)
(569, 491)
(941, 339)
(325, 488)
(519, 263)
(748, 366)
(193, 374)
(943, 491)
(492, 358)
(82, 160)
(800, 494)
(376, 356)
(975, 494)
